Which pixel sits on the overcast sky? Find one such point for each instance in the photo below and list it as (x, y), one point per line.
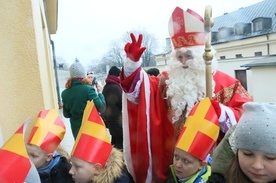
(86, 28)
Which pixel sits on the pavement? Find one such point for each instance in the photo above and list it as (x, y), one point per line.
(68, 141)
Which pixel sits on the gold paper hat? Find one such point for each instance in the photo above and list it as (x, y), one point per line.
(48, 131)
(93, 142)
(186, 28)
(200, 131)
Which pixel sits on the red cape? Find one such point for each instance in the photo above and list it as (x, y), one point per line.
(153, 154)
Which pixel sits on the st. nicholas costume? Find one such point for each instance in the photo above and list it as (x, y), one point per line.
(149, 134)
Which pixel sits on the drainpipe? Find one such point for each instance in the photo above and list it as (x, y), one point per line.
(56, 75)
(268, 49)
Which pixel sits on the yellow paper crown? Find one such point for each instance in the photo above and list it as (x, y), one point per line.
(200, 131)
(14, 161)
(93, 142)
(48, 131)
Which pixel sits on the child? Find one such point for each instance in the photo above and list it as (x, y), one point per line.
(93, 158)
(44, 139)
(15, 165)
(253, 142)
(196, 140)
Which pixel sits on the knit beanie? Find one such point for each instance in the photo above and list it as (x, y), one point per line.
(115, 71)
(255, 130)
(77, 70)
(153, 71)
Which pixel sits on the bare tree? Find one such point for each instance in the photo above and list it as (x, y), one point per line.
(62, 63)
(95, 66)
(116, 54)
(149, 41)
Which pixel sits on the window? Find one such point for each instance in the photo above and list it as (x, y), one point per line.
(239, 56)
(241, 76)
(225, 32)
(222, 57)
(258, 25)
(242, 28)
(257, 54)
(262, 23)
(239, 28)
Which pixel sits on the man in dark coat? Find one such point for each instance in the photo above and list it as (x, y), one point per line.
(113, 114)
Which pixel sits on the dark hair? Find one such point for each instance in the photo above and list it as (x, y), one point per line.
(114, 70)
(153, 72)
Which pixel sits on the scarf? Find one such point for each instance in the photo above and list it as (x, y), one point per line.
(112, 80)
(54, 161)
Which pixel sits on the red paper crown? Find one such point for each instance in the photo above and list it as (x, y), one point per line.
(14, 161)
(93, 142)
(48, 131)
(200, 131)
(186, 28)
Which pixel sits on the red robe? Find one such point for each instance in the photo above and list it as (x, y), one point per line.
(149, 133)
(149, 154)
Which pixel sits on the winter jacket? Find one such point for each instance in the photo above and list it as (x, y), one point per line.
(199, 177)
(74, 101)
(58, 174)
(221, 157)
(115, 170)
(113, 114)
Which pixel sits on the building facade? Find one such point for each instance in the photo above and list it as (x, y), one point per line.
(28, 82)
(245, 44)
(243, 38)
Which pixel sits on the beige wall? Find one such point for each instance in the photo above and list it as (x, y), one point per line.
(26, 69)
(264, 84)
(247, 47)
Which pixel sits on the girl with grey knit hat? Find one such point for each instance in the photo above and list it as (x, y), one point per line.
(251, 146)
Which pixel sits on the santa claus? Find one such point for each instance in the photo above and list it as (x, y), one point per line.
(155, 108)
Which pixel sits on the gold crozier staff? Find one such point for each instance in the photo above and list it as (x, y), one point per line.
(208, 56)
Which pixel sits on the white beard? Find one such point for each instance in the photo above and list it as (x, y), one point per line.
(186, 86)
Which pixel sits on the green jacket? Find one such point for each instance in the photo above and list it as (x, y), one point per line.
(74, 101)
(223, 154)
(199, 177)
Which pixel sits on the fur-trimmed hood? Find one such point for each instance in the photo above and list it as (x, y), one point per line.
(113, 169)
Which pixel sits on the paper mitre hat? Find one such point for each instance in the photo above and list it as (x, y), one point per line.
(93, 142)
(200, 131)
(186, 28)
(48, 131)
(15, 165)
